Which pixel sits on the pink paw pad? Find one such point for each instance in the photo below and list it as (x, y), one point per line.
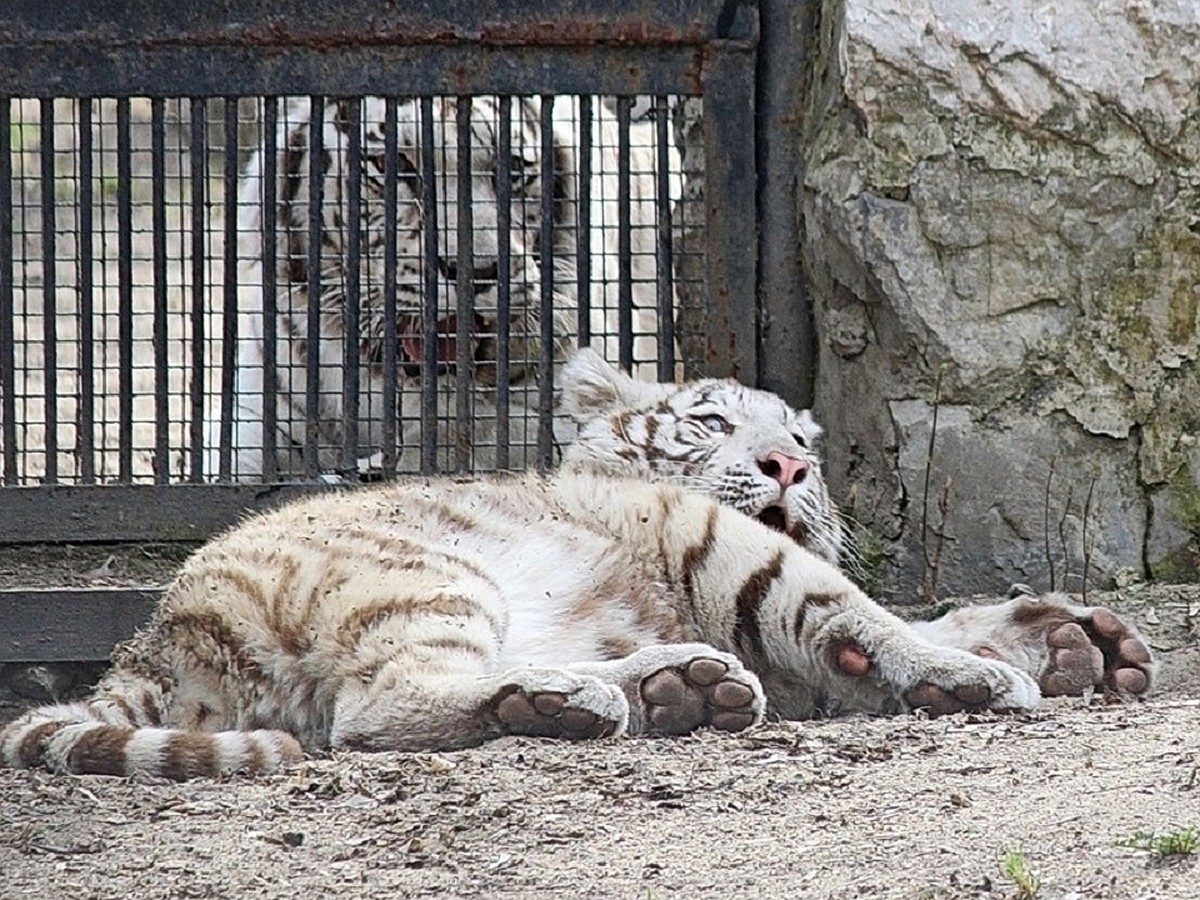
(1099, 652)
(852, 660)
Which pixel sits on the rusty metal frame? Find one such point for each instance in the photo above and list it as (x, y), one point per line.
(148, 48)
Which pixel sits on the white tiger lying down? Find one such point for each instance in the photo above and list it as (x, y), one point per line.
(631, 592)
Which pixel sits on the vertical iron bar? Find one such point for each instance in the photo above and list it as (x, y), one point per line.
(229, 306)
(464, 290)
(8, 366)
(161, 461)
(665, 288)
(124, 293)
(197, 159)
(583, 233)
(269, 241)
(316, 199)
(429, 310)
(390, 404)
(545, 434)
(624, 242)
(49, 289)
(351, 314)
(504, 175)
(86, 426)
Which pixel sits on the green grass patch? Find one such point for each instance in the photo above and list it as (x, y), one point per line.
(1015, 867)
(1170, 844)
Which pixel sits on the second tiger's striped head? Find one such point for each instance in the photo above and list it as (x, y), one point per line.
(743, 447)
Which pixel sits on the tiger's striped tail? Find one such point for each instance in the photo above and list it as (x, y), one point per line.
(119, 732)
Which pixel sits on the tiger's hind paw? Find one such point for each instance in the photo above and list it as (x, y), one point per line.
(582, 709)
(1070, 650)
(1097, 650)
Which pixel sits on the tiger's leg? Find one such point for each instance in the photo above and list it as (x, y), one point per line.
(400, 709)
(677, 688)
(1069, 649)
(837, 650)
(424, 670)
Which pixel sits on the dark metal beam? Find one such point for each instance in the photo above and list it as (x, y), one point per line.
(731, 314)
(787, 336)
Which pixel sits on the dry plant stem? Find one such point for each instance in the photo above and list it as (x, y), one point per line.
(1089, 540)
(935, 568)
(931, 564)
(1062, 536)
(1046, 522)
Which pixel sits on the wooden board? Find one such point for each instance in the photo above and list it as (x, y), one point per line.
(67, 625)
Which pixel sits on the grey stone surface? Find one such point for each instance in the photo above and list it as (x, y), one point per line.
(1008, 195)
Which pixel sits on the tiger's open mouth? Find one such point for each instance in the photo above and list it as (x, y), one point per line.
(445, 342)
(773, 517)
(483, 349)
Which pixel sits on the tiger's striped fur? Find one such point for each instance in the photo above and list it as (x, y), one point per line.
(442, 613)
(344, 266)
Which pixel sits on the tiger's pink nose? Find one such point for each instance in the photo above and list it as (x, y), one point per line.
(787, 470)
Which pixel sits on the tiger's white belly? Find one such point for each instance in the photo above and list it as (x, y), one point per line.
(559, 587)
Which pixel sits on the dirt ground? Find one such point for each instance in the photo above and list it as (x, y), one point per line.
(900, 807)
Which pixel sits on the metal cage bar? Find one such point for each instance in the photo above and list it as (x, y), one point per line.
(624, 240)
(49, 290)
(429, 309)
(161, 458)
(8, 366)
(312, 369)
(464, 287)
(350, 110)
(664, 279)
(270, 296)
(85, 444)
(390, 335)
(504, 174)
(545, 432)
(197, 145)
(125, 290)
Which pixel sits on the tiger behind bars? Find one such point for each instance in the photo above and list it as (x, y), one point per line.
(631, 592)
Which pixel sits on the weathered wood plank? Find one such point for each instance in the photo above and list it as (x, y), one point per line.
(115, 513)
(65, 625)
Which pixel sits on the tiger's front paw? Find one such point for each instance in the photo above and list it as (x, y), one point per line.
(964, 682)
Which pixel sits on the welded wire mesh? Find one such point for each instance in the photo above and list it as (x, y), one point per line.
(297, 288)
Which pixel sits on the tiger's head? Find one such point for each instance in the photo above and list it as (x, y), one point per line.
(743, 447)
(427, 237)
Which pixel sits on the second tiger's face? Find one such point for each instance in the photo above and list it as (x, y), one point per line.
(487, 190)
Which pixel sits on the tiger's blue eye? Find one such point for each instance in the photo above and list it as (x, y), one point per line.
(715, 424)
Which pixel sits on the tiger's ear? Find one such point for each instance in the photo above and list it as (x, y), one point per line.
(592, 387)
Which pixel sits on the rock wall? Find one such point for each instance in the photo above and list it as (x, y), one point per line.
(1001, 208)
